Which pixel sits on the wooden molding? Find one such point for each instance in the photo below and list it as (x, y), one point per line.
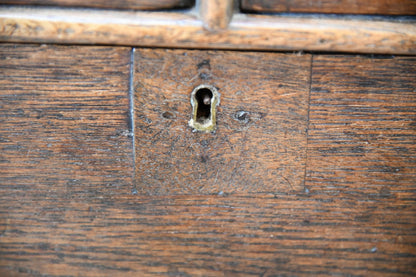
(105, 4)
(216, 14)
(186, 30)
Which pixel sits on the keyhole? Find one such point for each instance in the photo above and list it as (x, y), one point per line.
(204, 101)
(203, 97)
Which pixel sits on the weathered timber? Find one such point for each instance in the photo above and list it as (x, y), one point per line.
(362, 131)
(186, 30)
(64, 121)
(259, 144)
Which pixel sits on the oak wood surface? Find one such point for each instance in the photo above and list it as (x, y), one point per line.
(362, 128)
(185, 30)
(260, 141)
(66, 209)
(114, 4)
(383, 7)
(252, 235)
(64, 121)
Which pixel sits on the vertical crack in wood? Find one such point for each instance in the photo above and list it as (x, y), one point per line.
(131, 116)
(307, 124)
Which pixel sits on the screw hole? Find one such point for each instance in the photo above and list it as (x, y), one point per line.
(168, 115)
(242, 116)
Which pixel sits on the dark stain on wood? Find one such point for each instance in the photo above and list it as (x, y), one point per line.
(259, 144)
(381, 7)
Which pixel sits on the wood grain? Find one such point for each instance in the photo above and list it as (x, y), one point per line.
(66, 164)
(259, 32)
(117, 4)
(259, 144)
(64, 123)
(253, 235)
(362, 132)
(216, 14)
(383, 7)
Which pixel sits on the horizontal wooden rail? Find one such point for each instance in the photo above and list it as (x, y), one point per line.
(186, 30)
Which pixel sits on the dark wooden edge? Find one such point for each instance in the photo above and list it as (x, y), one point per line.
(104, 4)
(371, 7)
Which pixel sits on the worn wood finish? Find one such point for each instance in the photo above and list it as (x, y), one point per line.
(66, 164)
(253, 235)
(258, 32)
(64, 123)
(260, 141)
(362, 131)
(216, 14)
(114, 4)
(383, 7)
